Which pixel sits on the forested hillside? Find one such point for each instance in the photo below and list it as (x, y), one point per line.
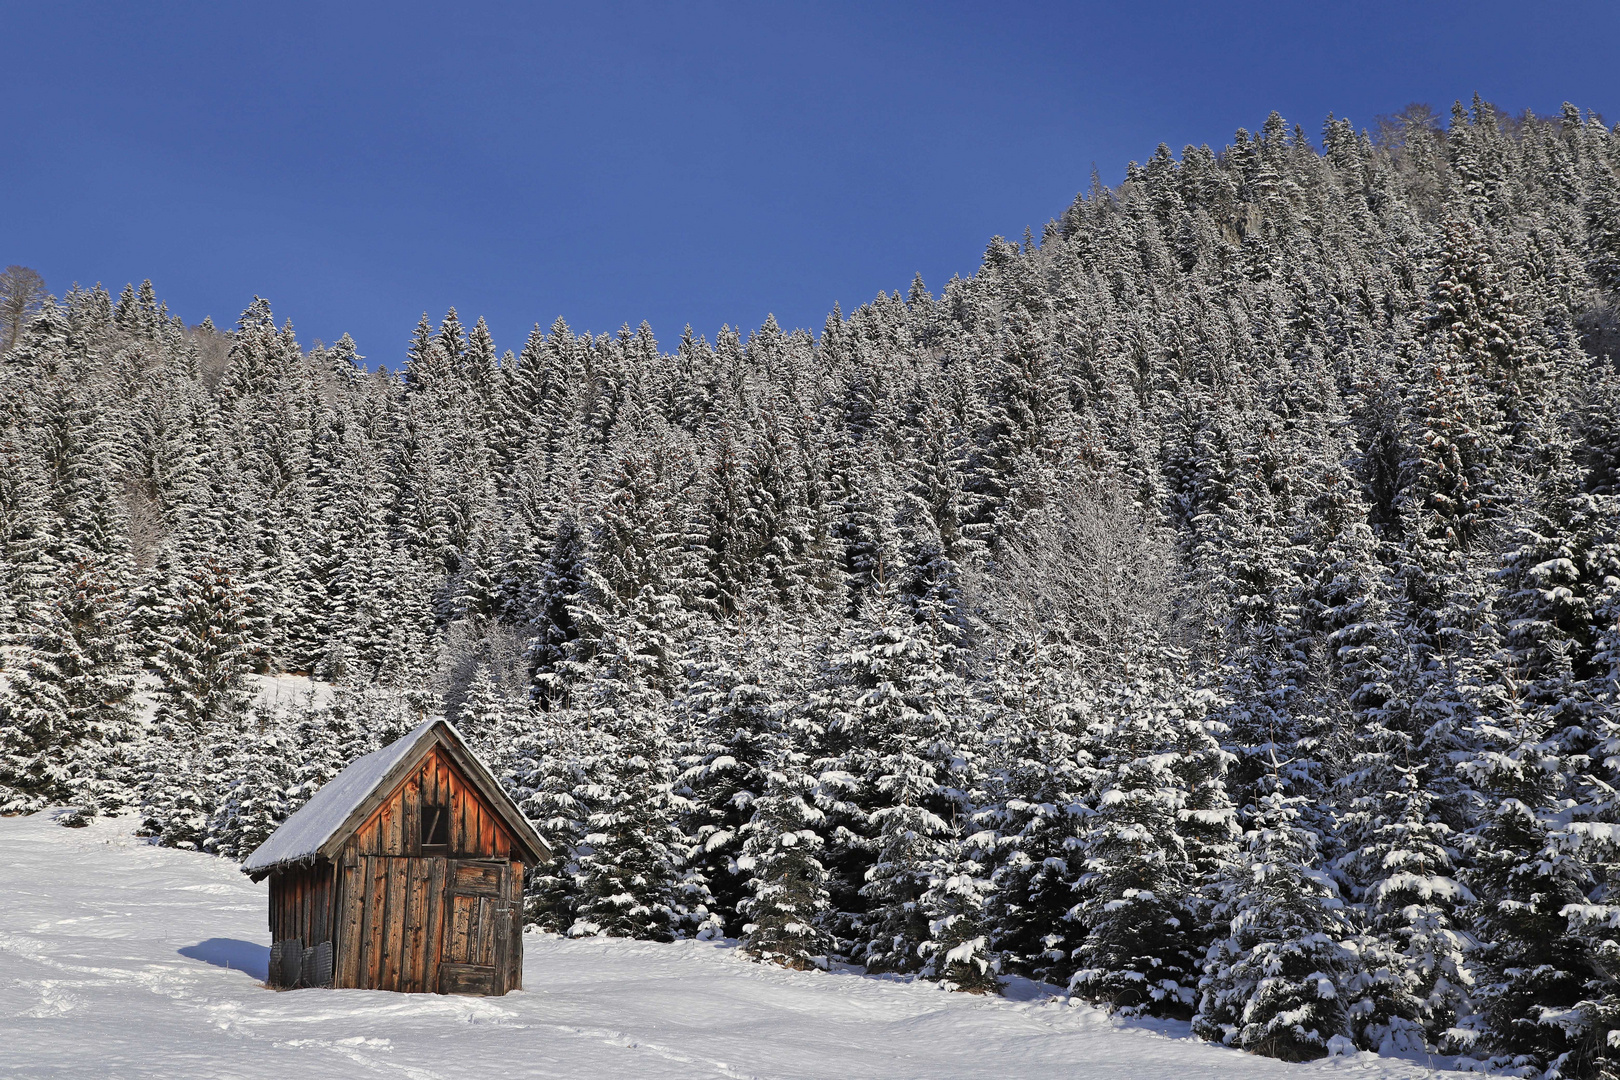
(1212, 605)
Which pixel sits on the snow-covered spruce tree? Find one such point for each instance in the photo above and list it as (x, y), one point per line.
(559, 588)
(632, 852)
(935, 506)
(729, 535)
(1024, 414)
(1531, 971)
(1161, 823)
(908, 699)
(734, 719)
(35, 739)
(183, 777)
(1603, 229)
(1274, 982)
(1534, 683)
(327, 738)
(1414, 971)
(958, 952)
(1590, 836)
(781, 849)
(492, 720)
(630, 879)
(83, 644)
(205, 653)
(27, 564)
(473, 595)
(1345, 598)
(202, 661)
(67, 710)
(1448, 488)
(1246, 567)
(922, 785)
(550, 779)
(1042, 776)
(1563, 553)
(259, 797)
(75, 443)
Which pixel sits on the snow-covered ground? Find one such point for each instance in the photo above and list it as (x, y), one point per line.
(291, 691)
(118, 959)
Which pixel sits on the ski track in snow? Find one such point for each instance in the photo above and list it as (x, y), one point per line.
(94, 983)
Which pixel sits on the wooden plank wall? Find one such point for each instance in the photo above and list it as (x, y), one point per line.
(395, 907)
(514, 956)
(395, 828)
(392, 934)
(301, 904)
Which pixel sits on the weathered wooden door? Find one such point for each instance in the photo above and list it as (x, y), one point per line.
(478, 930)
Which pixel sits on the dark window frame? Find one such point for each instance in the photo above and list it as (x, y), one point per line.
(435, 836)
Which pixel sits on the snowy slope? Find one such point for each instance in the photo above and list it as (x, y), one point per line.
(292, 691)
(118, 959)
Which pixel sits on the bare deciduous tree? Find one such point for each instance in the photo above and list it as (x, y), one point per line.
(21, 292)
(1392, 130)
(213, 352)
(1088, 568)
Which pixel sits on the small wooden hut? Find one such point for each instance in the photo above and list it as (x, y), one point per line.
(405, 872)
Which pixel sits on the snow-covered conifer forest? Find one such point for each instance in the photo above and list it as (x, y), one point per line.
(1211, 606)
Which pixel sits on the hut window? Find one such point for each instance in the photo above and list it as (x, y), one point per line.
(435, 829)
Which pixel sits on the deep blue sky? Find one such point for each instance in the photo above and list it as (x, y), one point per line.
(680, 163)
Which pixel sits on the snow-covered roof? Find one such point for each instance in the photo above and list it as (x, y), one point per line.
(325, 823)
(301, 836)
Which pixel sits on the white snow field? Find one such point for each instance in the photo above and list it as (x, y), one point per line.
(119, 959)
(292, 691)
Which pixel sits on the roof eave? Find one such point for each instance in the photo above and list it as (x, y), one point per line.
(259, 873)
